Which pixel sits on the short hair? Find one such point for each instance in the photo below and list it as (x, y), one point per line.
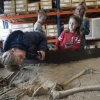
(83, 4)
(8, 60)
(42, 13)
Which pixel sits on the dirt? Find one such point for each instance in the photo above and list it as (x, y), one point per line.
(33, 76)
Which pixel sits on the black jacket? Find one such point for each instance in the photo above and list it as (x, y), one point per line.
(30, 42)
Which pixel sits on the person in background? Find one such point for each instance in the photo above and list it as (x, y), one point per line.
(19, 45)
(85, 28)
(71, 38)
(40, 21)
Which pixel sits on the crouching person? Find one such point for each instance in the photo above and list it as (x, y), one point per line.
(19, 45)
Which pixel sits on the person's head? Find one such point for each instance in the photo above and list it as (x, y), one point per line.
(80, 9)
(74, 24)
(41, 16)
(13, 57)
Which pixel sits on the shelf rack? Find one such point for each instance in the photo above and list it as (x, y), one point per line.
(57, 13)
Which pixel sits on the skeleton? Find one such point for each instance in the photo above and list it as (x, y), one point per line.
(58, 91)
(54, 89)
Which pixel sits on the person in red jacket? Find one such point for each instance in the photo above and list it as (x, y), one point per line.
(71, 38)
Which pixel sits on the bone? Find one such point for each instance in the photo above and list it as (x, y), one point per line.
(85, 71)
(65, 93)
(13, 76)
(44, 89)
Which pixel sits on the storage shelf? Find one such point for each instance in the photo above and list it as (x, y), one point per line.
(90, 39)
(57, 13)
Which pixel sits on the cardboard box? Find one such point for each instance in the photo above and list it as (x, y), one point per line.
(9, 2)
(21, 5)
(35, 4)
(74, 4)
(28, 29)
(77, 1)
(46, 3)
(17, 29)
(46, 7)
(21, 9)
(16, 26)
(90, 3)
(27, 25)
(65, 26)
(9, 6)
(52, 34)
(52, 31)
(65, 1)
(65, 5)
(10, 10)
(33, 8)
(98, 2)
(21, 2)
(45, 0)
(90, 0)
(51, 26)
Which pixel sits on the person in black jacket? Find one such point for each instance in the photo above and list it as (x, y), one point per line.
(19, 45)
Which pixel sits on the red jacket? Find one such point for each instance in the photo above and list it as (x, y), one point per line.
(68, 37)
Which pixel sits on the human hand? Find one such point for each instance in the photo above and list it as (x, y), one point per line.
(41, 55)
(54, 49)
(68, 45)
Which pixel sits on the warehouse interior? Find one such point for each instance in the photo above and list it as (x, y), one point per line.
(63, 74)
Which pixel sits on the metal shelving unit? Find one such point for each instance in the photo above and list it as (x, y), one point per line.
(55, 17)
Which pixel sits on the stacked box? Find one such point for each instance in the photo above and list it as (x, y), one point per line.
(65, 4)
(33, 6)
(98, 2)
(90, 0)
(21, 6)
(90, 3)
(44, 29)
(16, 27)
(52, 30)
(28, 27)
(74, 5)
(23, 27)
(77, 1)
(9, 7)
(65, 26)
(46, 4)
(4, 33)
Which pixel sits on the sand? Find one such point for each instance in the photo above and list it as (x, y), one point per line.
(33, 76)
